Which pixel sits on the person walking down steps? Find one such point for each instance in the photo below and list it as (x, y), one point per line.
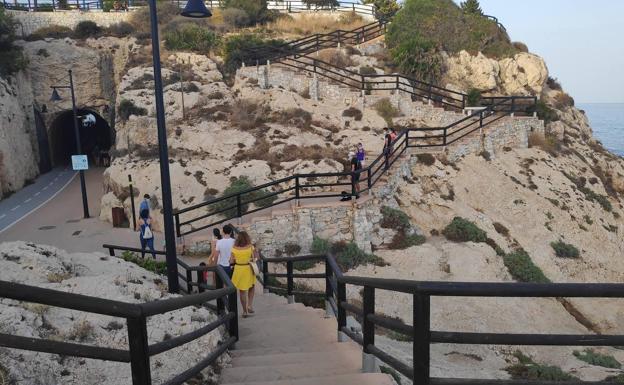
(243, 255)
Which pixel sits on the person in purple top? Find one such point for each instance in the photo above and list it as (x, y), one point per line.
(360, 153)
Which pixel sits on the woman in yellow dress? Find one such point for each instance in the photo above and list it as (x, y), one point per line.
(243, 253)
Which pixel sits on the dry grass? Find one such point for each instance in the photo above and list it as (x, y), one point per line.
(248, 114)
(58, 277)
(308, 24)
(547, 143)
(335, 57)
(81, 331)
(563, 100)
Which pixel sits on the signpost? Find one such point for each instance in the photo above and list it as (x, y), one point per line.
(80, 162)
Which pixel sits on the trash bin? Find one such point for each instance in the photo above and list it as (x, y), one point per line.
(119, 216)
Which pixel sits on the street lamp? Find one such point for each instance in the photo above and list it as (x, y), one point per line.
(196, 9)
(55, 98)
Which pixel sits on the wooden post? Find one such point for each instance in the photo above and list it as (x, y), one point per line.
(290, 283)
(342, 313)
(220, 302)
(368, 330)
(139, 351)
(421, 339)
(233, 308)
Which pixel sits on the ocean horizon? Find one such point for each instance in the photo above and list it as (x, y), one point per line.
(607, 121)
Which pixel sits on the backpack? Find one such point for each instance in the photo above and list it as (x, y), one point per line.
(147, 232)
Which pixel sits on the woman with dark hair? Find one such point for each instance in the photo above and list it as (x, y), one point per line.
(243, 255)
(146, 236)
(214, 251)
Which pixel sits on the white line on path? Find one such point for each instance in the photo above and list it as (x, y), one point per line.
(2, 216)
(15, 208)
(43, 203)
(27, 200)
(45, 188)
(37, 193)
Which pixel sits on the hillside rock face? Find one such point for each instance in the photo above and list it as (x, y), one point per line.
(18, 143)
(99, 276)
(523, 74)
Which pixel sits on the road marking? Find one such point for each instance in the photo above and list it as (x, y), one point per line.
(55, 179)
(42, 204)
(27, 200)
(37, 193)
(2, 216)
(45, 188)
(15, 208)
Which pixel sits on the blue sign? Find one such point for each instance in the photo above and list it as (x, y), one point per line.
(80, 162)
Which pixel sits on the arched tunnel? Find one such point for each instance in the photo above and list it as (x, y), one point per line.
(95, 137)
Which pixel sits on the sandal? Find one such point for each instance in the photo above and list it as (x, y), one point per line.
(250, 311)
(245, 315)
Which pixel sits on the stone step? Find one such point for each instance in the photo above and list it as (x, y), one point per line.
(293, 358)
(343, 379)
(276, 371)
(346, 347)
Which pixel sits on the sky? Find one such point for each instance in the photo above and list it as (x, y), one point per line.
(582, 42)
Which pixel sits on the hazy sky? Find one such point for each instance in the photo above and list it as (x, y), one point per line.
(582, 41)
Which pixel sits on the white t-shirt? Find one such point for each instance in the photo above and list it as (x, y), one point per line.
(224, 247)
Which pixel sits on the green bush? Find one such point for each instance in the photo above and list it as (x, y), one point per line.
(234, 50)
(107, 5)
(544, 112)
(158, 267)
(445, 26)
(320, 246)
(565, 250)
(402, 240)
(602, 200)
(291, 249)
(618, 379)
(12, 58)
(128, 108)
(87, 28)
(121, 29)
(190, 37)
(385, 8)
(462, 230)
(473, 98)
(52, 31)
(352, 112)
(522, 268)
(256, 10)
(238, 185)
(367, 70)
(593, 358)
(235, 17)
(350, 256)
(418, 57)
(426, 159)
(393, 373)
(386, 110)
(471, 6)
(394, 219)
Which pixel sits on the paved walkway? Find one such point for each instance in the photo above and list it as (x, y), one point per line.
(59, 222)
(31, 197)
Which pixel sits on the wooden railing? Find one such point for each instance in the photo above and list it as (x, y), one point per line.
(420, 333)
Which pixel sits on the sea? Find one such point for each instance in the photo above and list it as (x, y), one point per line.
(607, 121)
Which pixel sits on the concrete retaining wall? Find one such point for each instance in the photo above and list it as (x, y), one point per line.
(32, 21)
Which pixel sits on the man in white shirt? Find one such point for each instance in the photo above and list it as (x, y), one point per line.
(224, 249)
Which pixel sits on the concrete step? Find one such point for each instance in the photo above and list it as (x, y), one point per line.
(294, 358)
(343, 379)
(345, 347)
(276, 371)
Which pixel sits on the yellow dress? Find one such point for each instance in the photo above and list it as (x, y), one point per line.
(243, 277)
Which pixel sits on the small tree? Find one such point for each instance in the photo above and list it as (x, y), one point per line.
(385, 8)
(471, 6)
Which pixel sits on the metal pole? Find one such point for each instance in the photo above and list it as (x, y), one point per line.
(83, 188)
(170, 246)
(132, 202)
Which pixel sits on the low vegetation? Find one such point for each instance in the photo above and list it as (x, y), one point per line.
(399, 221)
(308, 24)
(158, 267)
(127, 108)
(526, 369)
(234, 52)
(190, 37)
(87, 28)
(12, 58)
(426, 159)
(260, 197)
(353, 112)
(348, 254)
(522, 268)
(386, 110)
(594, 358)
(546, 143)
(463, 230)
(473, 98)
(565, 250)
(81, 331)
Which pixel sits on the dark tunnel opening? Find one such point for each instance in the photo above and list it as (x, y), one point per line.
(95, 137)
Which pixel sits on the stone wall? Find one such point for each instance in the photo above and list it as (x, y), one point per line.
(32, 21)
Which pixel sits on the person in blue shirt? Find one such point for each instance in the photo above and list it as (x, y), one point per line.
(146, 236)
(145, 204)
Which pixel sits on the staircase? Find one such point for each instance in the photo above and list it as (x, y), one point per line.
(291, 344)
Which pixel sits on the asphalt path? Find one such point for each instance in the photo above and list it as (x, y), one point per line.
(27, 200)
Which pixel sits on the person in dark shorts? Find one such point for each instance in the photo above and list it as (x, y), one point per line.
(356, 169)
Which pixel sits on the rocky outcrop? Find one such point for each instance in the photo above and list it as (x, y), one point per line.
(99, 276)
(18, 143)
(522, 74)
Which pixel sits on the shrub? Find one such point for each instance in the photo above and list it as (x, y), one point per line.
(12, 58)
(419, 58)
(394, 219)
(247, 114)
(427, 159)
(121, 29)
(565, 250)
(256, 10)
(158, 267)
(320, 246)
(501, 229)
(386, 110)
(471, 6)
(128, 108)
(546, 142)
(81, 331)
(335, 57)
(462, 230)
(520, 46)
(367, 70)
(522, 268)
(43, 52)
(108, 5)
(238, 185)
(544, 112)
(593, 358)
(385, 8)
(447, 27)
(473, 98)
(304, 265)
(553, 83)
(402, 240)
(350, 256)
(563, 100)
(234, 50)
(235, 17)
(190, 37)
(352, 112)
(291, 249)
(297, 117)
(526, 369)
(51, 31)
(87, 28)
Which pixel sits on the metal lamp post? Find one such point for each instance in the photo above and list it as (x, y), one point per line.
(196, 9)
(55, 98)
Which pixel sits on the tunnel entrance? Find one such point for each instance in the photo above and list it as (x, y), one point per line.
(95, 136)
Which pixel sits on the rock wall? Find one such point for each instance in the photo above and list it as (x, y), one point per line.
(32, 21)
(18, 144)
